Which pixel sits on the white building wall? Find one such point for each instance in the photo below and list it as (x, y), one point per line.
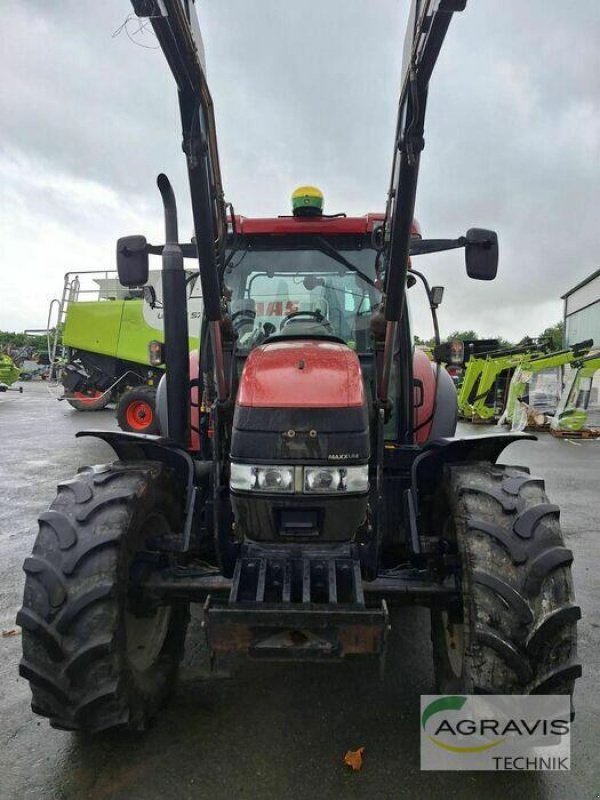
(588, 294)
(582, 314)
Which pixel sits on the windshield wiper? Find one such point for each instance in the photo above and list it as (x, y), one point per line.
(329, 250)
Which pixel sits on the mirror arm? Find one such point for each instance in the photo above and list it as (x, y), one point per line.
(420, 247)
(188, 249)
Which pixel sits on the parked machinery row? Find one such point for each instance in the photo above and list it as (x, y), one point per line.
(527, 386)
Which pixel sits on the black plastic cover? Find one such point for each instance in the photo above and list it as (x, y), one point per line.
(301, 435)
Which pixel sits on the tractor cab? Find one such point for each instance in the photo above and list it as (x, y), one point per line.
(304, 284)
(306, 275)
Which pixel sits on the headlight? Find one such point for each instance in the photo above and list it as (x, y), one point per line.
(331, 480)
(322, 480)
(245, 477)
(357, 478)
(313, 480)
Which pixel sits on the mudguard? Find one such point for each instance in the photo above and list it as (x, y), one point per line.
(428, 465)
(145, 447)
(437, 412)
(424, 374)
(445, 415)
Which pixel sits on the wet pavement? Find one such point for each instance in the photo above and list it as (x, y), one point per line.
(269, 730)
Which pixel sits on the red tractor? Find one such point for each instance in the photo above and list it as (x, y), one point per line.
(308, 477)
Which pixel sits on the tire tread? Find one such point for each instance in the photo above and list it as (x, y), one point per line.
(73, 656)
(518, 604)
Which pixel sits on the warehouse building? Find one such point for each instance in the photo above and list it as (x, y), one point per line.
(582, 311)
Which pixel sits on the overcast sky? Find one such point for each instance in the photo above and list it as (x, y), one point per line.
(307, 93)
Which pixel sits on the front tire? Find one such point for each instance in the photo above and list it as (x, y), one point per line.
(92, 660)
(515, 630)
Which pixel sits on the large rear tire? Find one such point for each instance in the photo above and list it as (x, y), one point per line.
(92, 659)
(515, 629)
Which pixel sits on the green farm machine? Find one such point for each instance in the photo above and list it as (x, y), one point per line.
(9, 373)
(578, 411)
(537, 385)
(99, 344)
(484, 390)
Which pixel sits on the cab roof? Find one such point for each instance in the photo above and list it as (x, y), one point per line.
(286, 226)
(280, 226)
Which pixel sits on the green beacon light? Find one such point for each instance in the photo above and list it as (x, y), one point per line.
(307, 201)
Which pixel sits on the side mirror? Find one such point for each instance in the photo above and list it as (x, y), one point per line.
(132, 261)
(436, 296)
(481, 254)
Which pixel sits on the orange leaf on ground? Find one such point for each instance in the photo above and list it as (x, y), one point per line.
(354, 758)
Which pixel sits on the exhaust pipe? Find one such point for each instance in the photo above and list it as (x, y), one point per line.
(175, 322)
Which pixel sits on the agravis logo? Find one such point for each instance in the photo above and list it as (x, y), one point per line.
(452, 703)
(495, 732)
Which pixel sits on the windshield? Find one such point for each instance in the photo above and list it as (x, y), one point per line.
(304, 286)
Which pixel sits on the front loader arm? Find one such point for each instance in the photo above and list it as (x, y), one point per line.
(473, 372)
(427, 27)
(177, 30)
(491, 371)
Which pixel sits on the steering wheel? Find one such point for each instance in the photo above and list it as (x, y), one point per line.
(316, 315)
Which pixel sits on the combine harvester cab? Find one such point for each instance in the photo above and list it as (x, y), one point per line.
(100, 343)
(578, 412)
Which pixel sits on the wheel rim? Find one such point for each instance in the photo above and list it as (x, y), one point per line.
(87, 398)
(454, 637)
(139, 415)
(145, 634)
(146, 637)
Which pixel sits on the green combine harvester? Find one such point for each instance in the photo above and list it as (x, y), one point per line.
(99, 344)
(536, 387)
(483, 392)
(578, 411)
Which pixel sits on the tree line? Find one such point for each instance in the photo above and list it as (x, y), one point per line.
(554, 333)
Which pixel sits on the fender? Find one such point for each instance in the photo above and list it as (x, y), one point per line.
(428, 465)
(145, 447)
